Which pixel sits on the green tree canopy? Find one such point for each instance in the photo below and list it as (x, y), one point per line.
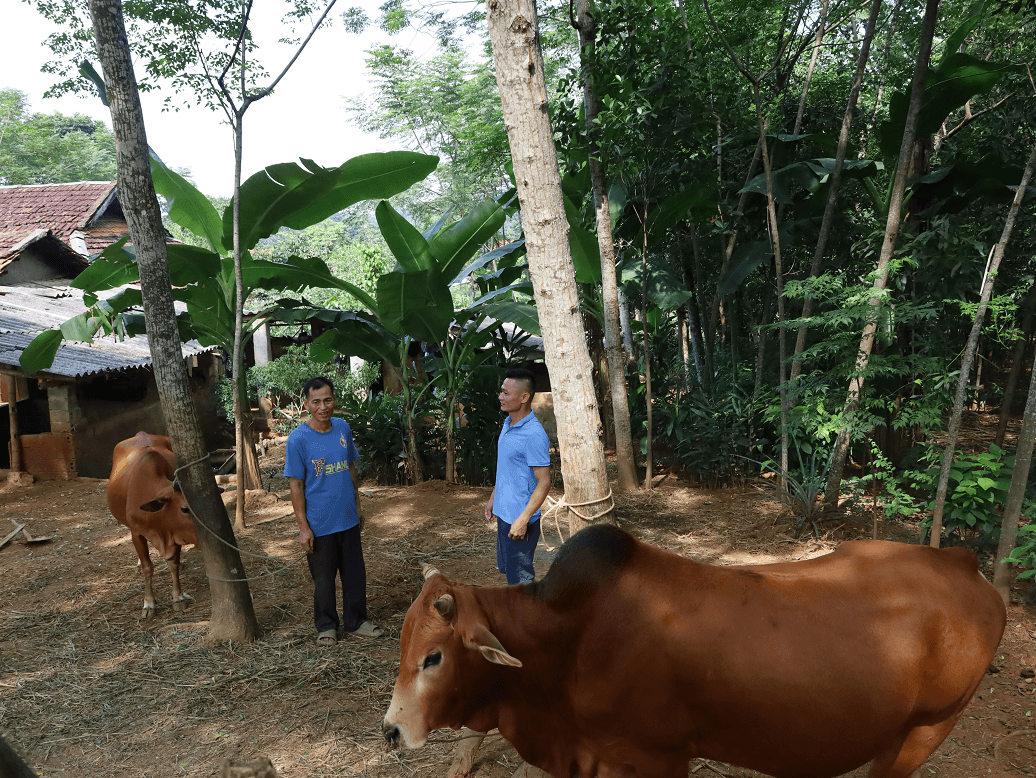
(51, 148)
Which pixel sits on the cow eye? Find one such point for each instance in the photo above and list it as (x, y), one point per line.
(432, 660)
(185, 510)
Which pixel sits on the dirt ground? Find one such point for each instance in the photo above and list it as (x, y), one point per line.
(88, 688)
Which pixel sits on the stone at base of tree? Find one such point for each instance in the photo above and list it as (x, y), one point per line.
(257, 768)
(17, 480)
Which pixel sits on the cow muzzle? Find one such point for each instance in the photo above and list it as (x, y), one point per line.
(392, 734)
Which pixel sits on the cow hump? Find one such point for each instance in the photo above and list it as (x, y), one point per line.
(590, 558)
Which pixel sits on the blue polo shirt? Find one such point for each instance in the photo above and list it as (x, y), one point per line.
(520, 448)
(321, 461)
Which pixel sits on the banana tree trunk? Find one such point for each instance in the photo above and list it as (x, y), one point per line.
(518, 58)
(888, 247)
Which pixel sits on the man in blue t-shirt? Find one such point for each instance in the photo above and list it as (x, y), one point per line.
(522, 478)
(318, 465)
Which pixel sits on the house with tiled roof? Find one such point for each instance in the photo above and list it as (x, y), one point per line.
(64, 422)
(50, 228)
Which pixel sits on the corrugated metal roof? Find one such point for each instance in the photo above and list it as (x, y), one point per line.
(26, 311)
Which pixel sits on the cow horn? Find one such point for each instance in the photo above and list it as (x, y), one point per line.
(446, 606)
(428, 571)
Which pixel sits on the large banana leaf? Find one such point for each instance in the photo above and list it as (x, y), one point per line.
(296, 274)
(116, 266)
(511, 251)
(40, 353)
(271, 197)
(418, 304)
(959, 78)
(406, 243)
(187, 206)
(355, 337)
(586, 251)
(522, 314)
(453, 247)
(374, 176)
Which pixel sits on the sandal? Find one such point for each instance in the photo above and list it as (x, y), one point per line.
(327, 638)
(368, 630)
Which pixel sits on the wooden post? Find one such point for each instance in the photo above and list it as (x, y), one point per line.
(12, 409)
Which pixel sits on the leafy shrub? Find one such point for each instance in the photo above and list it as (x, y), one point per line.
(802, 489)
(895, 488)
(476, 439)
(978, 484)
(710, 434)
(1024, 553)
(378, 428)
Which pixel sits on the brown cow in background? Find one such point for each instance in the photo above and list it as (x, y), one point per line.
(627, 661)
(142, 495)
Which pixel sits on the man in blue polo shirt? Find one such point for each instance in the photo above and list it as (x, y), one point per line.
(318, 465)
(522, 478)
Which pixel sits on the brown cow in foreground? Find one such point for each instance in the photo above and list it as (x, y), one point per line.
(142, 496)
(627, 661)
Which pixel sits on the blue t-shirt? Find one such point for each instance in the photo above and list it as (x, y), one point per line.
(520, 448)
(321, 461)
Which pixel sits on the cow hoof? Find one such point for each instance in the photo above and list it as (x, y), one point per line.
(149, 611)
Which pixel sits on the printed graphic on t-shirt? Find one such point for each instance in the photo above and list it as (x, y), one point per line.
(320, 467)
(341, 439)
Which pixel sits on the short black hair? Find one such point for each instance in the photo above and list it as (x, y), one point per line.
(317, 383)
(524, 375)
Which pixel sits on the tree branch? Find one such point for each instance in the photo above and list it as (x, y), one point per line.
(264, 92)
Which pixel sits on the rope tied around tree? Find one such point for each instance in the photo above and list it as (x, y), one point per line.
(201, 522)
(556, 507)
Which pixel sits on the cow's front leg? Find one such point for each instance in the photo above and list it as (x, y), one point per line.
(465, 751)
(148, 571)
(180, 599)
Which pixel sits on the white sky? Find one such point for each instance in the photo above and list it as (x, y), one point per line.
(305, 117)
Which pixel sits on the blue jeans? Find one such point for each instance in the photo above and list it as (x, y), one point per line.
(514, 557)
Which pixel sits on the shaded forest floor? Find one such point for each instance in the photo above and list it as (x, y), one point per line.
(87, 688)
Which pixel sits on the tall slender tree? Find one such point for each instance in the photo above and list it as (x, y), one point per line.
(627, 474)
(233, 617)
(888, 249)
(953, 428)
(523, 94)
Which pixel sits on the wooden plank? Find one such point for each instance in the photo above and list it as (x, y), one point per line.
(17, 528)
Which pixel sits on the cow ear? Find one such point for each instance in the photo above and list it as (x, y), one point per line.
(428, 571)
(446, 606)
(155, 505)
(485, 643)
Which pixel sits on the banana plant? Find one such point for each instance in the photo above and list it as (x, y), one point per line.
(289, 194)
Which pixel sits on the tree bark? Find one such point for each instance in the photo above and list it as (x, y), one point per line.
(523, 95)
(953, 429)
(1016, 365)
(649, 431)
(627, 473)
(233, 617)
(1016, 495)
(836, 181)
(888, 248)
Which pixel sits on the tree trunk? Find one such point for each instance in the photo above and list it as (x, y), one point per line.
(1016, 365)
(648, 455)
(888, 247)
(523, 95)
(775, 241)
(232, 615)
(969, 356)
(15, 449)
(1016, 495)
(836, 180)
(627, 473)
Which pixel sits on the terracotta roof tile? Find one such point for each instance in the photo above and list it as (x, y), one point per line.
(61, 208)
